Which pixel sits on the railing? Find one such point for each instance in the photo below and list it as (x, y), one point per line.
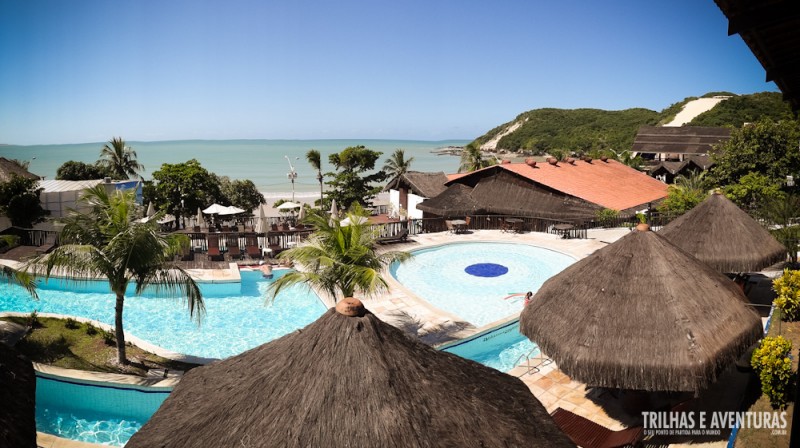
(543, 361)
(33, 237)
(483, 222)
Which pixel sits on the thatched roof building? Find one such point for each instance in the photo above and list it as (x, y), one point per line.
(349, 380)
(771, 30)
(724, 236)
(18, 398)
(678, 142)
(571, 189)
(641, 314)
(9, 168)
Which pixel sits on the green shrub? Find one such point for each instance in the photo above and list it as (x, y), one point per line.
(71, 323)
(33, 320)
(787, 289)
(607, 217)
(91, 330)
(108, 337)
(771, 361)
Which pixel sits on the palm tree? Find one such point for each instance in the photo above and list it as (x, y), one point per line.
(472, 159)
(315, 160)
(397, 164)
(110, 242)
(19, 277)
(340, 260)
(120, 159)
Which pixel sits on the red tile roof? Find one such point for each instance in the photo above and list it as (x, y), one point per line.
(609, 184)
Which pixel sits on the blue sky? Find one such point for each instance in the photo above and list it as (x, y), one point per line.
(85, 71)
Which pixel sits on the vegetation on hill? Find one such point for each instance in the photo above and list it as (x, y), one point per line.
(579, 130)
(590, 130)
(741, 109)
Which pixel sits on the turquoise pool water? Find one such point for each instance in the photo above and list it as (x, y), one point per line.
(102, 414)
(500, 348)
(474, 280)
(237, 315)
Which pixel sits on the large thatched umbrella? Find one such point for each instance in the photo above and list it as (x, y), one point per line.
(349, 380)
(724, 236)
(641, 314)
(18, 398)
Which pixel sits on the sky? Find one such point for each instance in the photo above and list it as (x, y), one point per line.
(85, 71)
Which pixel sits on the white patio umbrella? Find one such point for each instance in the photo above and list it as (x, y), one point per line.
(334, 212)
(215, 209)
(166, 219)
(261, 226)
(288, 205)
(302, 214)
(231, 210)
(200, 221)
(150, 210)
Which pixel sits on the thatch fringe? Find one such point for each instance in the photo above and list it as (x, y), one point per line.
(724, 236)
(641, 314)
(18, 398)
(349, 382)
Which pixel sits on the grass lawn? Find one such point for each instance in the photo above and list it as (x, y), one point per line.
(763, 438)
(75, 345)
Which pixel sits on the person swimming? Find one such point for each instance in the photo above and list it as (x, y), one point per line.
(528, 298)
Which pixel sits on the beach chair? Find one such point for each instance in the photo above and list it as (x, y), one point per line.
(450, 227)
(251, 246)
(214, 253)
(400, 237)
(589, 434)
(233, 247)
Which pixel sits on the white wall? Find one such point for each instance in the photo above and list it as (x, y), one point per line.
(413, 212)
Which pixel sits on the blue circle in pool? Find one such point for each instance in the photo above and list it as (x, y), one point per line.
(440, 276)
(486, 270)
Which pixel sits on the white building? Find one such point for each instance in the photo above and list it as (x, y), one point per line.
(413, 187)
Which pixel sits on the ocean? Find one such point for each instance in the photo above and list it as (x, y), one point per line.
(262, 161)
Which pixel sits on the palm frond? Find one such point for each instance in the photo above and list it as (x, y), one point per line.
(20, 277)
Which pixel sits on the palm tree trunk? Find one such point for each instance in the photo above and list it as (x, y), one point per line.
(119, 333)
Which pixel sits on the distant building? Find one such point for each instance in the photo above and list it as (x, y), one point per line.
(676, 144)
(60, 196)
(667, 171)
(413, 187)
(571, 190)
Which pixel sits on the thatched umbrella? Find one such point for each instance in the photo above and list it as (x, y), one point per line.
(18, 398)
(349, 380)
(724, 236)
(641, 314)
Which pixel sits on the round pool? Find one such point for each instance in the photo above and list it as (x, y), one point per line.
(474, 280)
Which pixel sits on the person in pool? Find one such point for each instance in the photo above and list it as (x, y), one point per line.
(266, 270)
(528, 298)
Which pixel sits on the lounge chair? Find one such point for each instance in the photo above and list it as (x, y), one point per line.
(251, 246)
(233, 247)
(400, 237)
(214, 253)
(589, 434)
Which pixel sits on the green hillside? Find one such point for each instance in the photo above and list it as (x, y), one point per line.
(584, 130)
(745, 109)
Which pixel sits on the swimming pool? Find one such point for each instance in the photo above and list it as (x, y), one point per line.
(473, 280)
(99, 413)
(500, 348)
(234, 321)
